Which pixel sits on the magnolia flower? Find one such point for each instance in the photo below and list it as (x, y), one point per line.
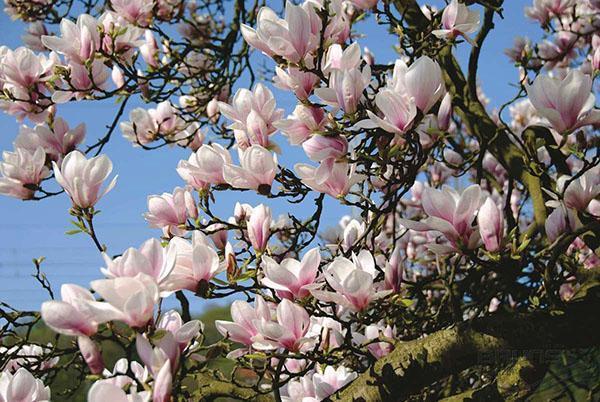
(399, 112)
(196, 262)
(451, 214)
(165, 351)
(257, 170)
(422, 81)
(292, 38)
(320, 147)
(253, 114)
(288, 332)
(102, 391)
(561, 220)
(171, 211)
(581, 191)
(56, 140)
(259, 227)
(82, 178)
(333, 178)
(149, 50)
(135, 11)
(130, 300)
(457, 19)
(163, 382)
(120, 38)
(293, 79)
(330, 380)
(338, 59)
(22, 387)
(205, 166)
(33, 36)
(245, 318)
(151, 259)
(73, 315)
(291, 278)
(352, 232)
(79, 41)
(83, 79)
(304, 121)
(22, 171)
(24, 69)
(491, 225)
(566, 103)
(543, 10)
(146, 125)
(91, 354)
(28, 355)
(394, 271)
(375, 331)
(352, 282)
(183, 333)
(345, 88)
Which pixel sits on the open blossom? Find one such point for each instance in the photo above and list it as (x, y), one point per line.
(129, 300)
(331, 379)
(451, 214)
(544, 10)
(82, 178)
(102, 391)
(304, 121)
(422, 80)
(566, 103)
(253, 114)
(83, 80)
(243, 329)
(196, 262)
(183, 333)
(457, 19)
(22, 171)
(293, 79)
(170, 211)
(288, 332)
(259, 227)
(33, 36)
(205, 166)
(151, 259)
(491, 225)
(28, 355)
(561, 220)
(352, 282)
(345, 89)
(581, 191)
(22, 68)
(120, 38)
(331, 177)
(135, 11)
(78, 41)
(146, 125)
(291, 38)
(57, 140)
(291, 278)
(398, 112)
(73, 315)
(376, 331)
(257, 170)
(22, 386)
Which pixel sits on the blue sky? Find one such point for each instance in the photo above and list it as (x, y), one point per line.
(34, 229)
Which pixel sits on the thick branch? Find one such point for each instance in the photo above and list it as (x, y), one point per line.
(415, 364)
